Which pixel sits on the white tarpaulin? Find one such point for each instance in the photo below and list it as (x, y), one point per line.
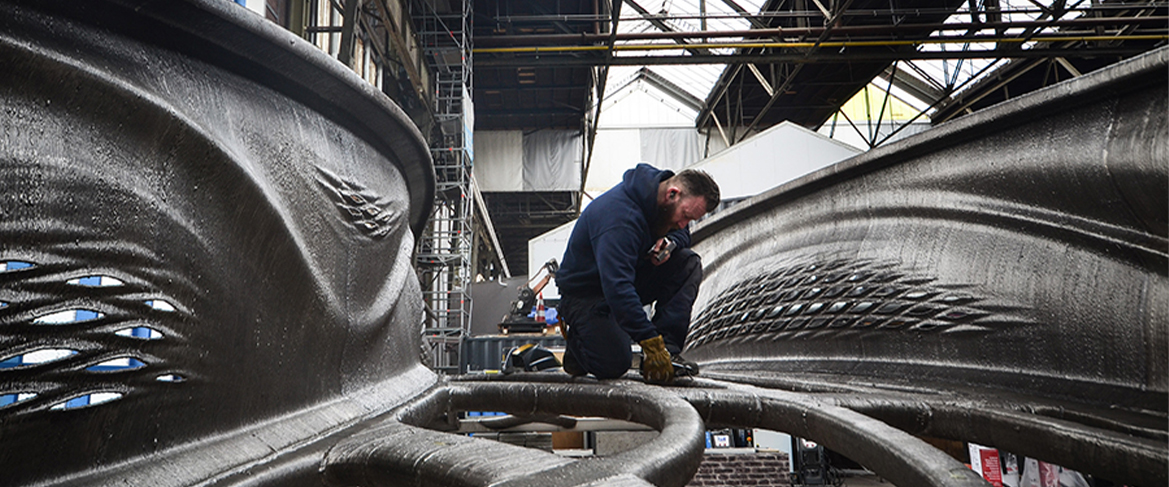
(670, 149)
(618, 150)
(544, 160)
(552, 160)
(613, 153)
(499, 161)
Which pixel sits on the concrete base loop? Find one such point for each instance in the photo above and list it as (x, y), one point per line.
(402, 451)
(1112, 447)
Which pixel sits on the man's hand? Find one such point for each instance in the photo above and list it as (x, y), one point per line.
(655, 361)
(660, 252)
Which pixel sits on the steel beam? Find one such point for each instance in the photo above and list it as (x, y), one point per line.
(665, 28)
(602, 77)
(345, 52)
(552, 59)
(911, 84)
(402, 40)
(854, 32)
(830, 21)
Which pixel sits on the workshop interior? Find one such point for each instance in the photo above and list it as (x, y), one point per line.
(316, 242)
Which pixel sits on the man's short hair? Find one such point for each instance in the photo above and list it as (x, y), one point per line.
(697, 182)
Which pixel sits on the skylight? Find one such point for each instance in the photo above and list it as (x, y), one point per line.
(682, 16)
(699, 79)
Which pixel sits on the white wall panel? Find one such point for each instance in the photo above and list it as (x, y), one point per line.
(772, 157)
(615, 151)
(549, 245)
(641, 107)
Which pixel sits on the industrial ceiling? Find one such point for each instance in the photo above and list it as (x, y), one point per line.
(742, 65)
(544, 64)
(798, 60)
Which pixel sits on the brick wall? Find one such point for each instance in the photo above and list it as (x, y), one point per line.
(742, 470)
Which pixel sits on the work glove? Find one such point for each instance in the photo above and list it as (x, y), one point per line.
(655, 361)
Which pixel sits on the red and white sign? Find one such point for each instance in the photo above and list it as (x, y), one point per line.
(985, 461)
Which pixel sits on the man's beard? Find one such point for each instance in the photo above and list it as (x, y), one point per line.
(662, 224)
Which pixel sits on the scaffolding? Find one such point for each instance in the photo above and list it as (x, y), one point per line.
(444, 251)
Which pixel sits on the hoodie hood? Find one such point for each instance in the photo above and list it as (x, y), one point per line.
(641, 186)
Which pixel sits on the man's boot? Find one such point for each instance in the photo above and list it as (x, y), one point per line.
(571, 366)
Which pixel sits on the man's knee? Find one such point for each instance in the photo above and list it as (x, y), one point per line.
(691, 264)
(609, 363)
(610, 371)
(602, 351)
(602, 360)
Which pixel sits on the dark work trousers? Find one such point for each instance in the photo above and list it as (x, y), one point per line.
(601, 346)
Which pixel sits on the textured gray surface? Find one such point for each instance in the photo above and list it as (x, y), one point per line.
(1017, 256)
(402, 450)
(1036, 231)
(610, 442)
(274, 217)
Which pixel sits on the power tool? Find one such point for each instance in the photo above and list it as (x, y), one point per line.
(516, 319)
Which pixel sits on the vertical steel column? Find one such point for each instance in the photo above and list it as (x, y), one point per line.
(444, 253)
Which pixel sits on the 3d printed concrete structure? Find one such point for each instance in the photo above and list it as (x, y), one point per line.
(1000, 279)
(205, 279)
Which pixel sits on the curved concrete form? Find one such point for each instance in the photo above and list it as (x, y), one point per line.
(408, 448)
(205, 245)
(1017, 256)
(205, 278)
(895, 455)
(395, 453)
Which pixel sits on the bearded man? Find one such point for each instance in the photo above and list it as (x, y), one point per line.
(630, 248)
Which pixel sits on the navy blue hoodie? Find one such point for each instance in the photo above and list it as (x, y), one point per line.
(608, 243)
